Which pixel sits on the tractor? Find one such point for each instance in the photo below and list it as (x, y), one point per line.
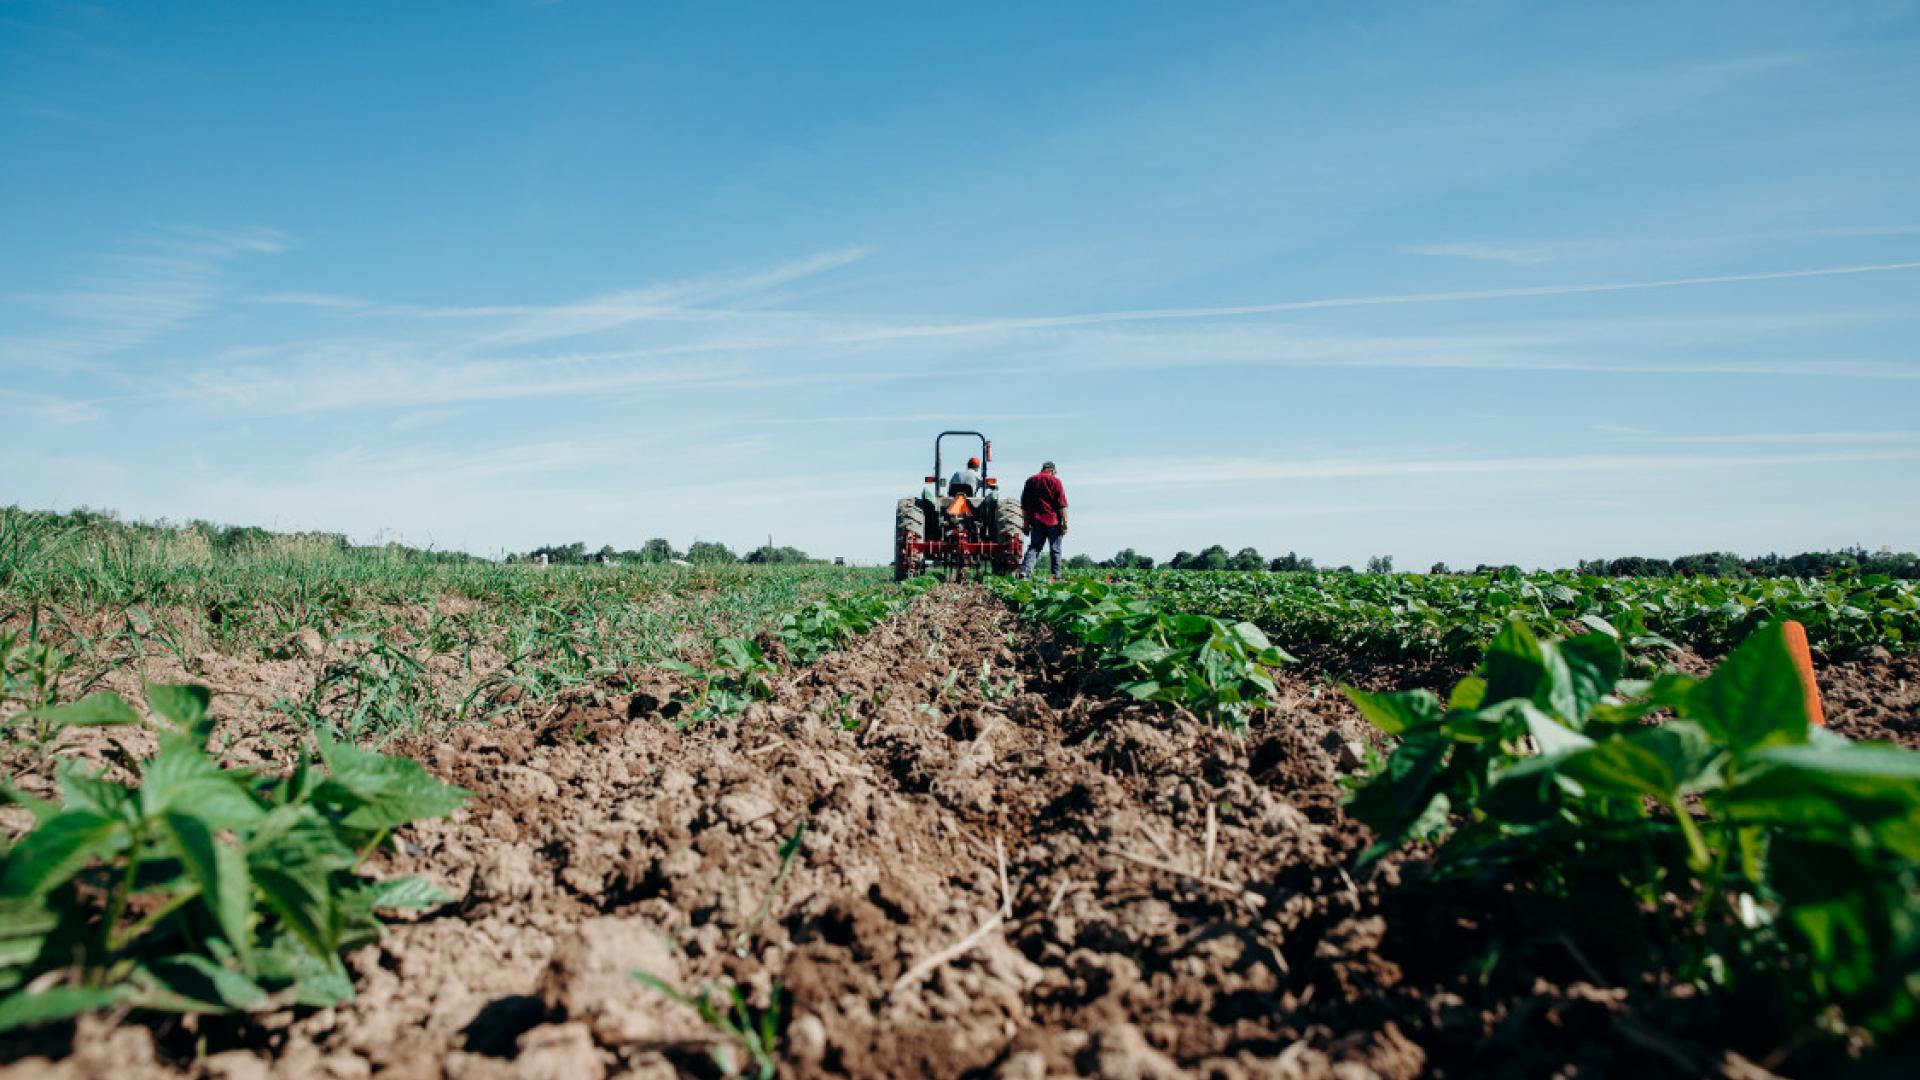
(957, 531)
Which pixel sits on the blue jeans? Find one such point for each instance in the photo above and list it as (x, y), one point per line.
(1037, 535)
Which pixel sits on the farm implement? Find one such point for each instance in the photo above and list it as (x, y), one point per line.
(954, 530)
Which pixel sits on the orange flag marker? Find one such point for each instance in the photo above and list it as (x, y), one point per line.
(1796, 636)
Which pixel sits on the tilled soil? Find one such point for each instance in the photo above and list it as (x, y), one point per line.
(994, 876)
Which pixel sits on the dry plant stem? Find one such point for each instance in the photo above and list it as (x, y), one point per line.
(960, 948)
(1213, 835)
(1165, 851)
(1006, 890)
(938, 960)
(1247, 896)
(978, 741)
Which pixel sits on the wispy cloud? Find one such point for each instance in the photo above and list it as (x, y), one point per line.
(1504, 253)
(1796, 438)
(134, 297)
(1384, 300)
(1195, 472)
(1535, 252)
(47, 408)
(684, 336)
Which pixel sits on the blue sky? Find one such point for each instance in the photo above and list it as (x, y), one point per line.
(1465, 282)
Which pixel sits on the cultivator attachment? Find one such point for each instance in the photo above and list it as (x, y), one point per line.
(953, 531)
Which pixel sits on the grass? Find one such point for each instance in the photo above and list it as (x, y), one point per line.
(396, 638)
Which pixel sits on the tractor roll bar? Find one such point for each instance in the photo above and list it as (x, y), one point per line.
(986, 459)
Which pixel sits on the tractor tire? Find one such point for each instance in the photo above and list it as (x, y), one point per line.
(1009, 529)
(909, 523)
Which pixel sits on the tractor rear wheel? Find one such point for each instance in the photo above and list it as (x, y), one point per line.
(1009, 528)
(909, 526)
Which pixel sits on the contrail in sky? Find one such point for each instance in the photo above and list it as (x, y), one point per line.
(1152, 314)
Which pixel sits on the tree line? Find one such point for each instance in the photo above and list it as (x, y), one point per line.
(1899, 564)
(658, 550)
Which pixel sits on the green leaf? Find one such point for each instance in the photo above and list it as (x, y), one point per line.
(381, 791)
(1836, 787)
(318, 980)
(1146, 651)
(304, 906)
(1468, 693)
(1400, 798)
(1397, 713)
(184, 706)
(181, 776)
(1515, 664)
(25, 1009)
(297, 839)
(56, 850)
(195, 983)
(1754, 697)
(1553, 737)
(80, 790)
(1594, 663)
(1600, 625)
(221, 872)
(104, 709)
(1622, 768)
(399, 892)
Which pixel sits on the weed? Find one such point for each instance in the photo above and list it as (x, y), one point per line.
(741, 1026)
(196, 888)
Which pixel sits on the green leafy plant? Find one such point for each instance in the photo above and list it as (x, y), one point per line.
(1214, 668)
(738, 676)
(830, 622)
(199, 888)
(1793, 853)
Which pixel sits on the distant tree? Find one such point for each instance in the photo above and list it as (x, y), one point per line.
(561, 554)
(710, 551)
(1439, 568)
(1081, 562)
(1247, 559)
(1380, 564)
(657, 550)
(1639, 566)
(1128, 559)
(777, 555)
(1290, 562)
(1899, 564)
(1182, 560)
(1710, 564)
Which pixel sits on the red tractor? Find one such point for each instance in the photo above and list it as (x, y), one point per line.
(956, 529)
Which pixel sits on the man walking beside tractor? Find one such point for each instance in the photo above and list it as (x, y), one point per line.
(1044, 502)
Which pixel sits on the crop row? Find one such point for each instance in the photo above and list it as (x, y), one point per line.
(1732, 847)
(1393, 616)
(1215, 669)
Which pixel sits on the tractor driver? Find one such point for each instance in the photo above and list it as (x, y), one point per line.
(967, 480)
